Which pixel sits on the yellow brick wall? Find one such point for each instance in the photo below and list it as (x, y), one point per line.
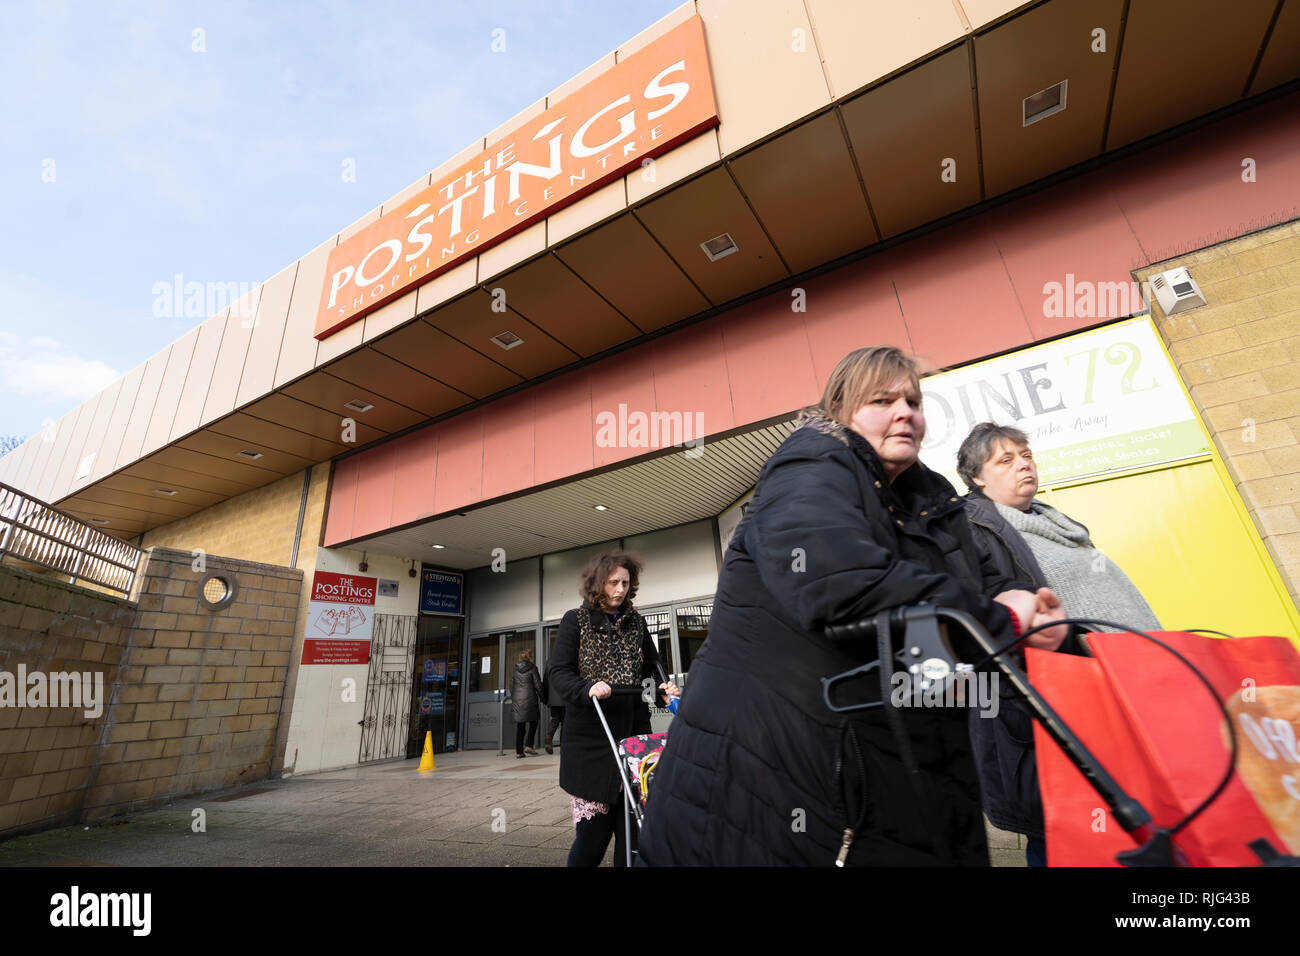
(255, 526)
(259, 526)
(1239, 355)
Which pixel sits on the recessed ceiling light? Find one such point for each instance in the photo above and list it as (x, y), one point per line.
(1044, 103)
(602, 508)
(250, 455)
(357, 405)
(440, 547)
(719, 247)
(99, 521)
(507, 340)
(169, 492)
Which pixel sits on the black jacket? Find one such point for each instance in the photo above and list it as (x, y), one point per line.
(1004, 745)
(525, 692)
(757, 770)
(587, 767)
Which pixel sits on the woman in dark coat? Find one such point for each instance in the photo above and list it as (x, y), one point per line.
(525, 693)
(844, 522)
(604, 642)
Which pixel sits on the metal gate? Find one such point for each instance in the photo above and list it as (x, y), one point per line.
(386, 724)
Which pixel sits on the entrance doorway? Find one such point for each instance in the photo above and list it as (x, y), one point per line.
(435, 685)
(491, 662)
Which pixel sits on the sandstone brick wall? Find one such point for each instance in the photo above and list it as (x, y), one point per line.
(259, 526)
(1240, 357)
(192, 695)
(198, 697)
(47, 754)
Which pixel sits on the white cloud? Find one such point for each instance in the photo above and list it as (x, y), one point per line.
(40, 368)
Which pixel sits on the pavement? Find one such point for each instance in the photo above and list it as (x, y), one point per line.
(475, 809)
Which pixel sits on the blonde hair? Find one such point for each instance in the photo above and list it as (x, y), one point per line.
(862, 373)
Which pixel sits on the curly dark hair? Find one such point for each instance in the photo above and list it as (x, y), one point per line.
(591, 586)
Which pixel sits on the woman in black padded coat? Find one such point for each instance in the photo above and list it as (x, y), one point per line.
(844, 522)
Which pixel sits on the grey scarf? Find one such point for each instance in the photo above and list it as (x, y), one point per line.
(1088, 583)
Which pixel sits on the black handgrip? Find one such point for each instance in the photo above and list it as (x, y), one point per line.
(865, 629)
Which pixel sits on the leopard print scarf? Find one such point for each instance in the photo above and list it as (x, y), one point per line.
(610, 654)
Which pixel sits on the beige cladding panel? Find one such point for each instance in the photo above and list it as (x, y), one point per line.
(1281, 60)
(766, 69)
(254, 374)
(65, 448)
(106, 459)
(1028, 54)
(169, 392)
(451, 284)
(607, 201)
(700, 210)
(95, 436)
(236, 334)
(142, 411)
(72, 459)
(1154, 90)
(189, 410)
(862, 42)
(524, 245)
(905, 133)
(817, 215)
(11, 465)
(298, 347)
(58, 451)
(396, 313)
(655, 30)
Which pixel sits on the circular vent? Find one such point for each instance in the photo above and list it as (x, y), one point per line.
(217, 590)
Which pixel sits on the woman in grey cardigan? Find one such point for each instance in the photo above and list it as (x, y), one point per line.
(1035, 544)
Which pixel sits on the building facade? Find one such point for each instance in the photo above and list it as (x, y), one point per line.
(591, 327)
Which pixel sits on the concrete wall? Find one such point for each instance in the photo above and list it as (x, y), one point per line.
(1240, 357)
(193, 694)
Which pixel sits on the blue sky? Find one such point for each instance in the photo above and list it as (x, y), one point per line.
(135, 149)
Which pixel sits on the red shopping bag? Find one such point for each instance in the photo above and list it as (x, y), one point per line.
(1154, 727)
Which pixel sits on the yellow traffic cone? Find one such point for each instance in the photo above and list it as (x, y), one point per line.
(426, 759)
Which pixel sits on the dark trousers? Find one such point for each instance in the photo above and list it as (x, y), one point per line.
(1036, 851)
(519, 735)
(557, 718)
(592, 838)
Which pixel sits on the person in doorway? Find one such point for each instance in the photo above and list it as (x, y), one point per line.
(602, 644)
(1040, 547)
(845, 522)
(554, 704)
(525, 698)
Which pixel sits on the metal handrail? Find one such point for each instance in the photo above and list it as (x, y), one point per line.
(37, 533)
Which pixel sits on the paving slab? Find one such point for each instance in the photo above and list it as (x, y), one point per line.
(385, 814)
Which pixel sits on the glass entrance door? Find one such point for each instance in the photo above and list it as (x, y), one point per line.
(435, 685)
(491, 663)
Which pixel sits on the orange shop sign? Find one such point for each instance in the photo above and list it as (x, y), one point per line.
(658, 97)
